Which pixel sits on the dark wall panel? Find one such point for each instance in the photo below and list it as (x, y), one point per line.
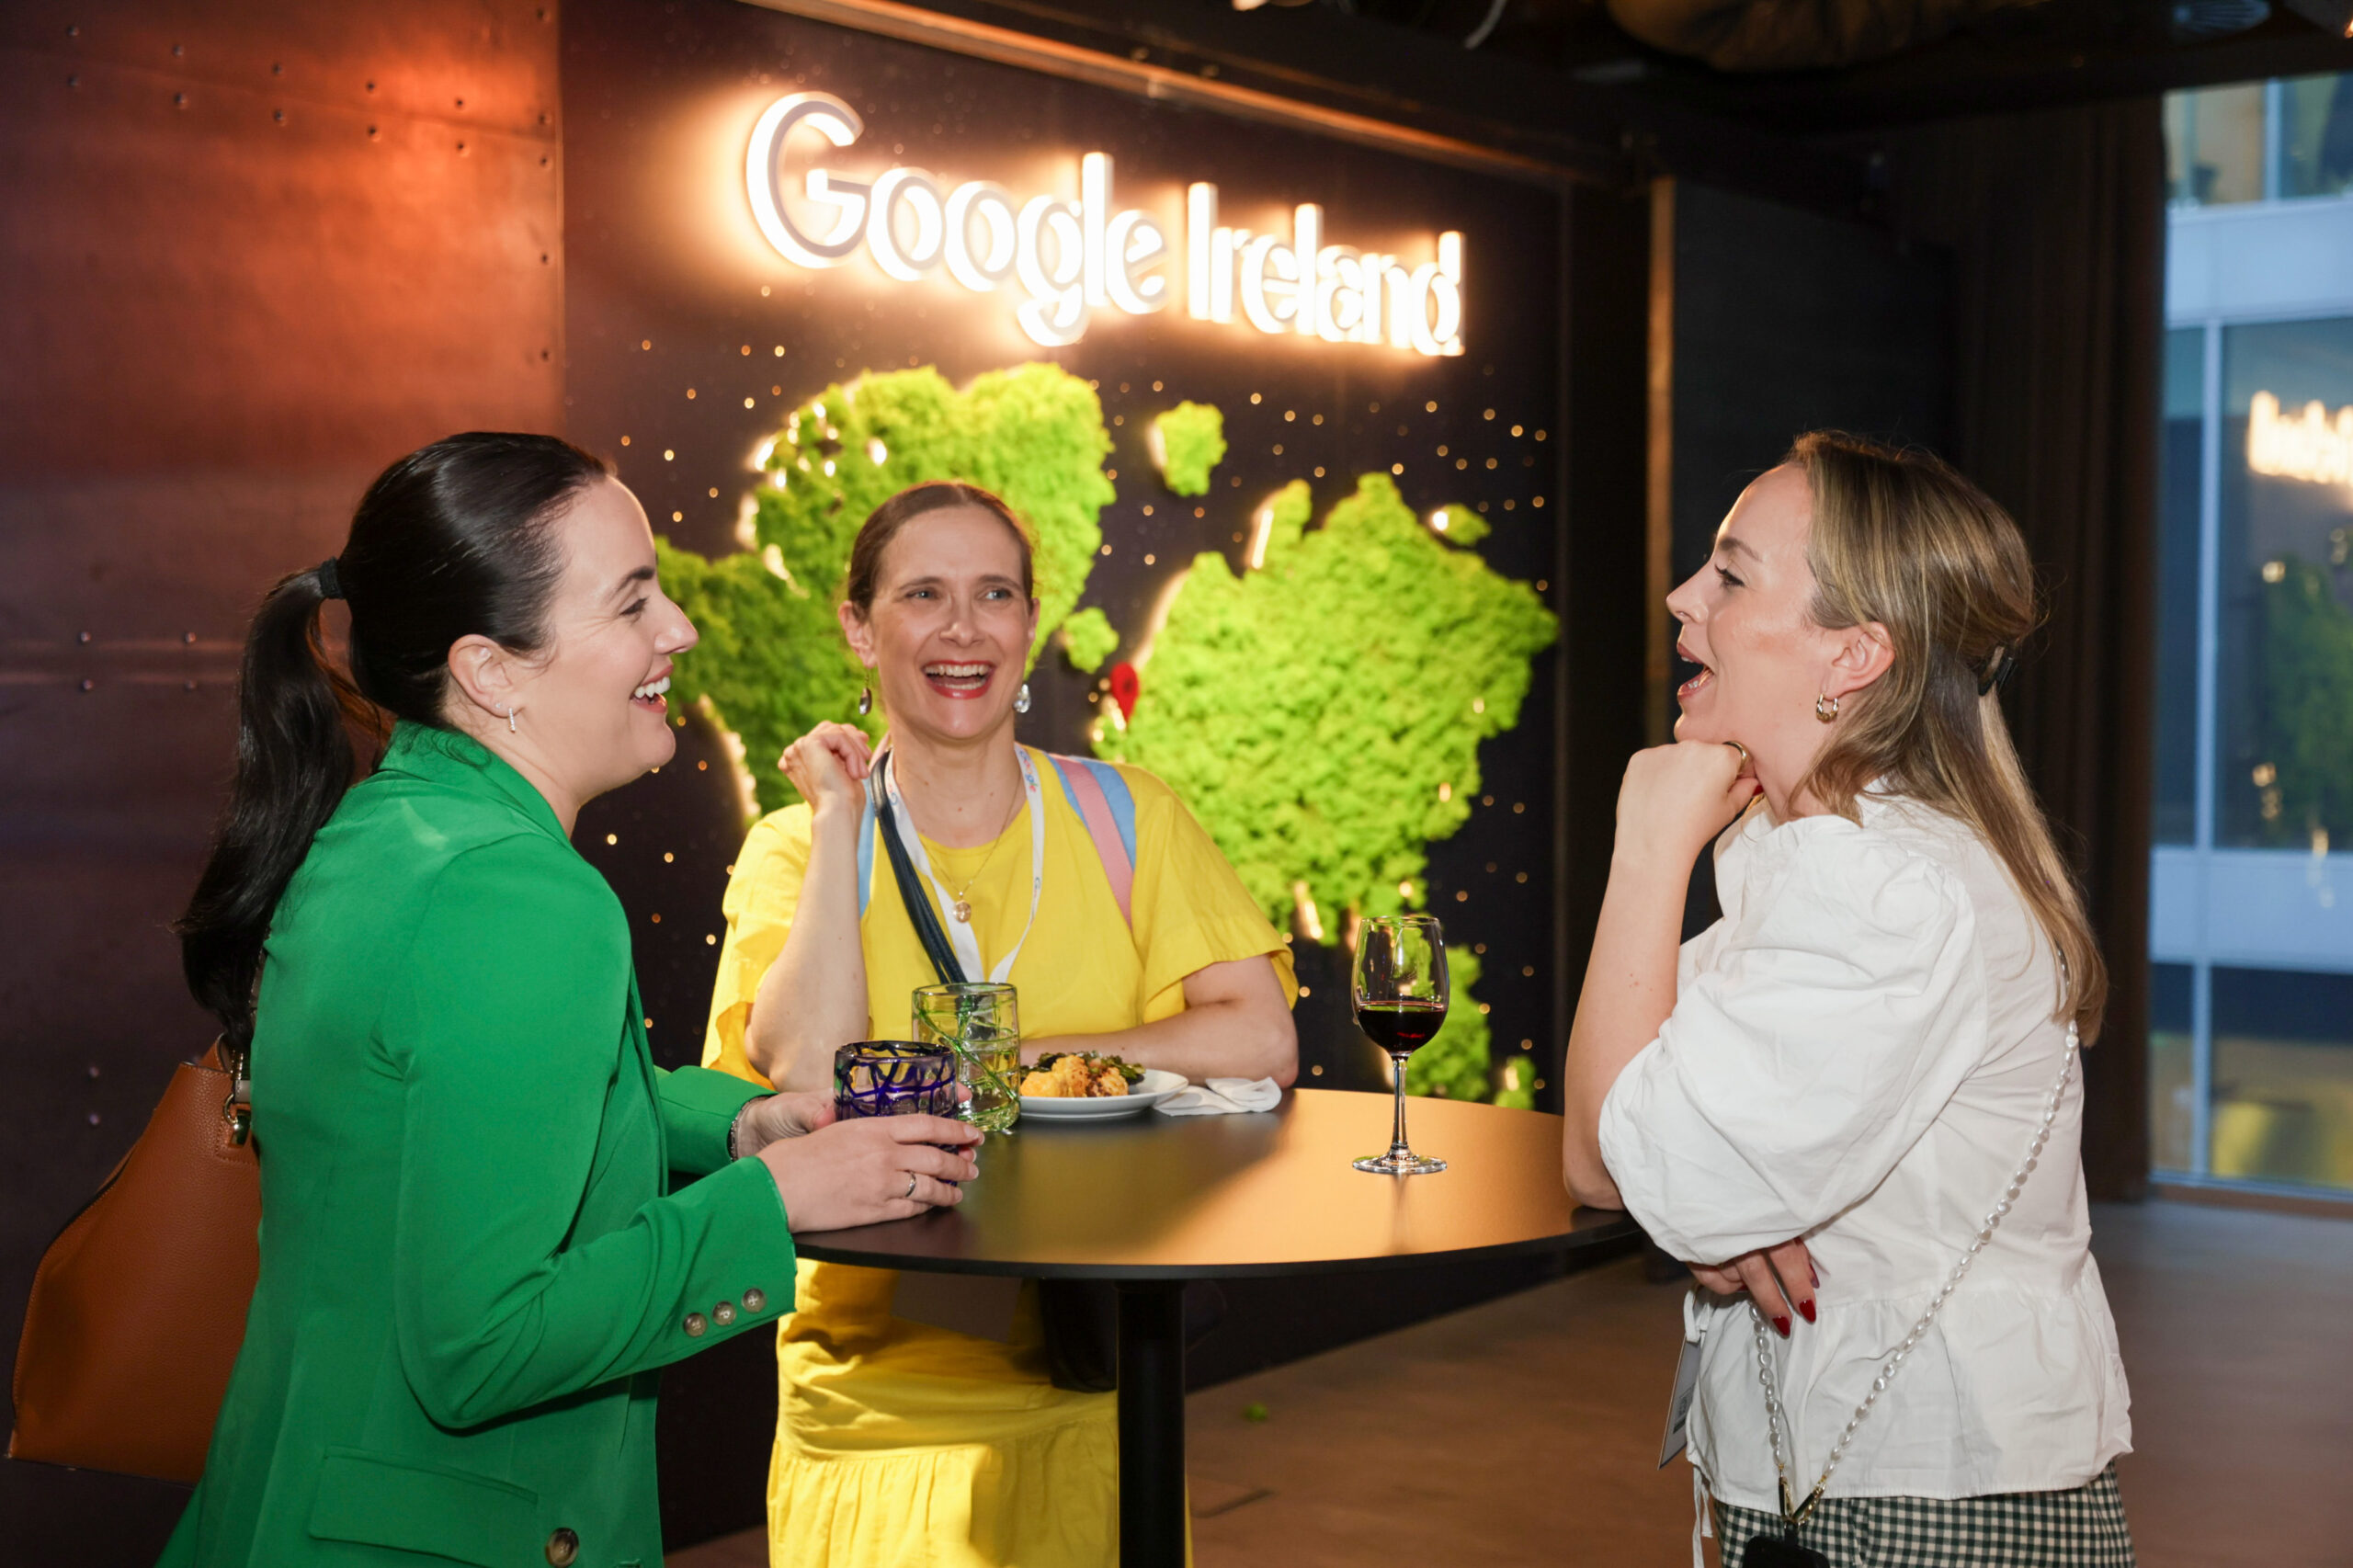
(1787, 322)
(252, 253)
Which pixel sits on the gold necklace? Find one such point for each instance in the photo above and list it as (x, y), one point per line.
(960, 906)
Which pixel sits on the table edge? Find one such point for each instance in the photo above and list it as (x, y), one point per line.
(813, 1248)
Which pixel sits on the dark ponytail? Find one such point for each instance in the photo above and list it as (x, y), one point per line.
(453, 540)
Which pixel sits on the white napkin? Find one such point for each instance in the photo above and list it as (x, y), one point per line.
(1222, 1097)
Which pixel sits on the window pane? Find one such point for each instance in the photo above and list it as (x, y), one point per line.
(2285, 768)
(2176, 764)
(2284, 1076)
(2316, 136)
(2215, 145)
(2171, 1091)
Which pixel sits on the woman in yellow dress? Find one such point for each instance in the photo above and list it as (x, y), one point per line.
(900, 1441)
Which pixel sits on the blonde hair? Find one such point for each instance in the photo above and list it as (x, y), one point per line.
(1899, 538)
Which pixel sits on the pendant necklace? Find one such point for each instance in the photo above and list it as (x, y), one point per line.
(958, 904)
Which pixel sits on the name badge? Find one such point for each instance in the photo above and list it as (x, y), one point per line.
(1686, 1384)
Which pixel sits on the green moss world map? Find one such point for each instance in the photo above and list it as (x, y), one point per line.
(1321, 712)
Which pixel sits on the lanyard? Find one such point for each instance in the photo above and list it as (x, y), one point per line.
(961, 935)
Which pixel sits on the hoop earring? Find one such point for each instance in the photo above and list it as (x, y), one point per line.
(1826, 707)
(865, 700)
(1021, 699)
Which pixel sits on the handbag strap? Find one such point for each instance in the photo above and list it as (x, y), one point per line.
(920, 911)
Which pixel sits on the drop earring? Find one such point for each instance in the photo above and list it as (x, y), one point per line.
(1826, 707)
(1021, 699)
(510, 723)
(865, 700)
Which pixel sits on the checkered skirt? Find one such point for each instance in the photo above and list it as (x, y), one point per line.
(2083, 1528)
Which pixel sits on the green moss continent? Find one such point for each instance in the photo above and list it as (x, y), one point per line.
(1192, 443)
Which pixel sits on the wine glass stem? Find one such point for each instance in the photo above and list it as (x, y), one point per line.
(1397, 1134)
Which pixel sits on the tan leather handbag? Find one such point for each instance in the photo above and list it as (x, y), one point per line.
(138, 1306)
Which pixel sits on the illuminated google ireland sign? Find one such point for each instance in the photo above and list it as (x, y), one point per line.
(1068, 258)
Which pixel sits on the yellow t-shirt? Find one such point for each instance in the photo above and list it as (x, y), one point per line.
(900, 1442)
(1082, 971)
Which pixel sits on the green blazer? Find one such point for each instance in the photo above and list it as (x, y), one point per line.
(473, 1258)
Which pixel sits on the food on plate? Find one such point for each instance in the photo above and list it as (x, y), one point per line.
(1077, 1075)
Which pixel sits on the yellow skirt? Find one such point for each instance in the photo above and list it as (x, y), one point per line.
(900, 1444)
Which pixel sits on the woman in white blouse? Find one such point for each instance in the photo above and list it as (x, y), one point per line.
(1851, 1103)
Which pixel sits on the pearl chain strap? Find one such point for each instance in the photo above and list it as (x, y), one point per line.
(1797, 1514)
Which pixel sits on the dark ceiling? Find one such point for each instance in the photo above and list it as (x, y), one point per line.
(1561, 81)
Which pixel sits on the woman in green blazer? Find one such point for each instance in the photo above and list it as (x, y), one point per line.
(476, 1248)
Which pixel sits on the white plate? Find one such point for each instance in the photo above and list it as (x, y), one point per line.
(1157, 1086)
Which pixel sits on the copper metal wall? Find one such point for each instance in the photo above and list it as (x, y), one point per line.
(249, 255)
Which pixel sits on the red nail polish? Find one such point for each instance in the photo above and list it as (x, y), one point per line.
(1783, 1326)
(1805, 1309)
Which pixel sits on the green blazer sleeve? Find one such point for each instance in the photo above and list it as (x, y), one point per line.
(508, 1032)
(697, 1108)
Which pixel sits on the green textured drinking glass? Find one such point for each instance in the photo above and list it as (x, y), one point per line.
(980, 1023)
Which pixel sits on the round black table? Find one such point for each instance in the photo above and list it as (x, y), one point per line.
(1153, 1202)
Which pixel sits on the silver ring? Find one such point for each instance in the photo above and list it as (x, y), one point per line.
(911, 1185)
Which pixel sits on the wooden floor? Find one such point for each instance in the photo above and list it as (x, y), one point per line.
(1525, 1432)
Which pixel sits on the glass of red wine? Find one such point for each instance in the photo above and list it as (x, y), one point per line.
(1401, 995)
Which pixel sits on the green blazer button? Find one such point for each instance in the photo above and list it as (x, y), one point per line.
(755, 1299)
(695, 1325)
(562, 1546)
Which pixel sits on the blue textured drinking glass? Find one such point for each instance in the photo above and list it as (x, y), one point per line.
(893, 1077)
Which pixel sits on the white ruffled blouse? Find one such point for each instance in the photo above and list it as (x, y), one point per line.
(1860, 1054)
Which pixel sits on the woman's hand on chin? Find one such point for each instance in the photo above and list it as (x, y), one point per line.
(871, 1169)
(1676, 798)
(828, 766)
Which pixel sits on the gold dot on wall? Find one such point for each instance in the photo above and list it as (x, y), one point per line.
(1518, 807)
(714, 493)
(1517, 429)
(1541, 584)
(1540, 434)
(1147, 511)
(702, 768)
(1290, 414)
(1318, 474)
(1200, 511)
(612, 838)
(1149, 560)
(780, 354)
(764, 287)
(647, 343)
(667, 454)
(1396, 468)
(1486, 800)
(1509, 504)
(1155, 386)
(667, 856)
(1526, 971)
(1278, 448)
(1461, 896)
(1106, 550)
(1491, 462)
(1430, 408)
(690, 392)
(710, 941)
(1317, 420)
(1489, 415)
(1254, 398)
(1441, 450)
(677, 516)
(657, 920)
(1463, 462)
(1304, 992)
(1317, 1070)
(1521, 877)
(1538, 501)
(1478, 947)
(747, 402)
(1484, 1009)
